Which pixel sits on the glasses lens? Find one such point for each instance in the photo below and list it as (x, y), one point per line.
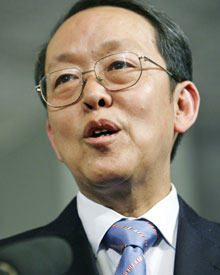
(62, 87)
(118, 71)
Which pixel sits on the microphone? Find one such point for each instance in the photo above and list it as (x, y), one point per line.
(36, 256)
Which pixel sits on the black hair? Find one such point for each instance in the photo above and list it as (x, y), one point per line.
(170, 39)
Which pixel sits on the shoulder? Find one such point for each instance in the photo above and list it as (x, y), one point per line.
(66, 221)
(63, 242)
(198, 243)
(188, 218)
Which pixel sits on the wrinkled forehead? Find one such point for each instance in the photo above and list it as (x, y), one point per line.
(102, 30)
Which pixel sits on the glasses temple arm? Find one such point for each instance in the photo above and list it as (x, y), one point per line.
(168, 72)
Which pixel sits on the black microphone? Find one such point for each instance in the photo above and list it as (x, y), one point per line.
(36, 256)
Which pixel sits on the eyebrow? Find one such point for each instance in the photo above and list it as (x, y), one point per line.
(110, 45)
(104, 48)
(64, 57)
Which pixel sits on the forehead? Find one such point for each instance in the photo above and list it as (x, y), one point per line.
(100, 30)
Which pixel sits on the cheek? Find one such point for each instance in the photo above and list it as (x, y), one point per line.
(140, 106)
(150, 119)
(64, 130)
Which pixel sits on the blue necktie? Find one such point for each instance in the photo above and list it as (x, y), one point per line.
(131, 238)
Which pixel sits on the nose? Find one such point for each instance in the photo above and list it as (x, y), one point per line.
(94, 95)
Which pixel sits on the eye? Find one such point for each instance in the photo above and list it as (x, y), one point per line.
(118, 65)
(62, 79)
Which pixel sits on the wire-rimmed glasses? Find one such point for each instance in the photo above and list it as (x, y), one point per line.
(115, 72)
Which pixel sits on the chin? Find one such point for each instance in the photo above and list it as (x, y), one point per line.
(105, 171)
(106, 176)
(102, 181)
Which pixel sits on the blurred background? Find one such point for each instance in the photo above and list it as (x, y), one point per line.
(34, 186)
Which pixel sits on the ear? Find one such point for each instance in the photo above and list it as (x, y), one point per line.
(52, 140)
(187, 102)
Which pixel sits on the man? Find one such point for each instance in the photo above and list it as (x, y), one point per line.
(116, 80)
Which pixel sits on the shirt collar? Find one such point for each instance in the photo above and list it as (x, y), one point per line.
(97, 219)
(164, 215)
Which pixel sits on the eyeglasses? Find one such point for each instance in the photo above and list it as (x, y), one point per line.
(115, 72)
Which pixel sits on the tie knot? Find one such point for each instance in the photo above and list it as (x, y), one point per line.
(137, 233)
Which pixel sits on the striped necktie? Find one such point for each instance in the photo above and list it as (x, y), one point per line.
(131, 238)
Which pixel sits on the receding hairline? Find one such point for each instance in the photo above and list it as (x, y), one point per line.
(147, 20)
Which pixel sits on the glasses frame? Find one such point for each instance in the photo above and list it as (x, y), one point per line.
(39, 90)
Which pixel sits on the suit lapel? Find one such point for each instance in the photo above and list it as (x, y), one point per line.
(196, 252)
(68, 225)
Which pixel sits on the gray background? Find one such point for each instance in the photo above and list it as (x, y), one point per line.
(34, 186)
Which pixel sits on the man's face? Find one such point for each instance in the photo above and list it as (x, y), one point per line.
(141, 117)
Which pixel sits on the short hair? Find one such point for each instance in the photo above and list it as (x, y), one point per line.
(170, 41)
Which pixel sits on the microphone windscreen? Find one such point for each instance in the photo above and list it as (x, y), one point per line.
(38, 256)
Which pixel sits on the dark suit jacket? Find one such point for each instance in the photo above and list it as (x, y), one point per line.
(197, 252)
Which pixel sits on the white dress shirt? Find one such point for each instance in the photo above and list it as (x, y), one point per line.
(97, 219)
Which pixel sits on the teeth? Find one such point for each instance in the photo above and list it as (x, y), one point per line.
(100, 131)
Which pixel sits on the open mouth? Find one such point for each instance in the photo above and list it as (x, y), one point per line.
(100, 128)
(101, 132)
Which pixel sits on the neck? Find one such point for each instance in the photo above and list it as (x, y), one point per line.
(132, 197)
